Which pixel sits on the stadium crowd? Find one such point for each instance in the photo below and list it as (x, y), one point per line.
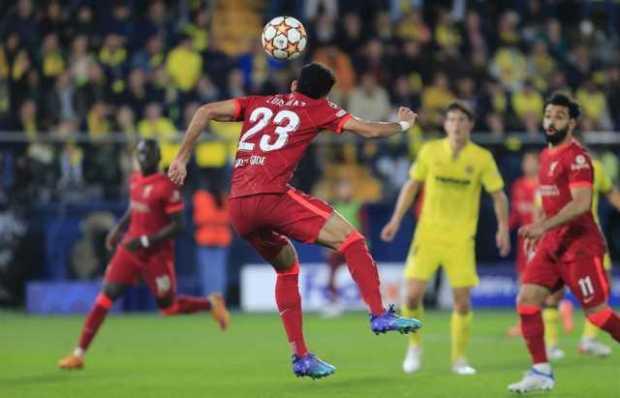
(83, 71)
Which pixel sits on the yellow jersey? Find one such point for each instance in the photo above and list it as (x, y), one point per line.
(602, 185)
(452, 188)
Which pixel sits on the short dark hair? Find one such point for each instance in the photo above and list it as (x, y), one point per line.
(461, 106)
(562, 99)
(315, 80)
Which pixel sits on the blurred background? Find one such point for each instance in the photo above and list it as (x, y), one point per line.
(82, 81)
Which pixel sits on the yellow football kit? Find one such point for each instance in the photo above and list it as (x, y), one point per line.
(446, 230)
(602, 185)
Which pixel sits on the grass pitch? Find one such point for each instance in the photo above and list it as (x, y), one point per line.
(150, 356)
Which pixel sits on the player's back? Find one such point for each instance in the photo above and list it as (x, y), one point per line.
(152, 199)
(276, 132)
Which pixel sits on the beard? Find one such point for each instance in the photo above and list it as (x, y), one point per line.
(557, 137)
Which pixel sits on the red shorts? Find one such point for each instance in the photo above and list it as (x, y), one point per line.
(266, 220)
(157, 270)
(580, 267)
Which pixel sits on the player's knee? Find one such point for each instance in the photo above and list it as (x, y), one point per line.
(413, 301)
(462, 307)
(348, 238)
(113, 291)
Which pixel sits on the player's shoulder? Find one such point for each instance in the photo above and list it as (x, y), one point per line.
(479, 154)
(432, 146)
(163, 182)
(577, 153)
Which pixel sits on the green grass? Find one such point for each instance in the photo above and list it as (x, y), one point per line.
(149, 356)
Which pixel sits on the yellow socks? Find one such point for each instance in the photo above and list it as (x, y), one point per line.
(551, 317)
(415, 339)
(460, 327)
(590, 331)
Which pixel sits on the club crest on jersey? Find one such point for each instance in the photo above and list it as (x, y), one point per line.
(580, 163)
(163, 284)
(146, 191)
(552, 167)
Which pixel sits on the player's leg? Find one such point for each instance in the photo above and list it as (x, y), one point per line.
(459, 262)
(587, 280)
(551, 319)
(588, 344)
(121, 272)
(280, 253)
(413, 307)
(334, 308)
(339, 235)
(160, 277)
(540, 278)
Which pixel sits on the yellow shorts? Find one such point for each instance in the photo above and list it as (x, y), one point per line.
(458, 260)
(607, 262)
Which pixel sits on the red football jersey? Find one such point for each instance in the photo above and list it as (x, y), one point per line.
(152, 199)
(560, 169)
(276, 131)
(522, 202)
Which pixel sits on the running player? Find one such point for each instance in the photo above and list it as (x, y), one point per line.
(266, 211)
(570, 246)
(146, 251)
(452, 170)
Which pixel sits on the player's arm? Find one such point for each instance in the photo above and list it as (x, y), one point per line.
(407, 195)
(222, 111)
(502, 237)
(370, 129)
(170, 231)
(114, 236)
(580, 204)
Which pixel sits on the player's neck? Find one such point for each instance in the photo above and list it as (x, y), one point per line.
(456, 147)
(147, 173)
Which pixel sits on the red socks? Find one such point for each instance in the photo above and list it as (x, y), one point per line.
(94, 320)
(608, 321)
(187, 305)
(289, 306)
(533, 330)
(363, 270)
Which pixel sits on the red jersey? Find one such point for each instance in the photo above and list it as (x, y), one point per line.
(562, 168)
(522, 201)
(276, 131)
(152, 199)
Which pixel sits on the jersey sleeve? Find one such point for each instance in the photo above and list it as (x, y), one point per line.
(580, 171)
(173, 201)
(333, 117)
(241, 105)
(492, 180)
(419, 169)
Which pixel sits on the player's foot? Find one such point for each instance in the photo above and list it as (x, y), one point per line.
(311, 366)
(332, 310)
(462, 368)
(219, 312)
(389, 321)
(566, 313)
(413, 359)
(71, 362)
(533, 380)
(514, 331)
(555, 353)
(593, 347)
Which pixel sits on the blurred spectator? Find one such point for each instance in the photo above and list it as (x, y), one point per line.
(28, 121)
(80, 60)
(447, 35)
(324, 30)
(351, 38)
(119, 23)
(94, 90)
(184, 65)
(436, 97)
(235, 87)
(338, 61)
(54, 21)
(509, 66)
(413, 28)
(312, 8)
(369, 100)
(84, 23)
(594, 105)
(71, 172)
(155, 125)
(556, 41)
(527, 104)
(152, 56)
(495, 124)
(97, 120)
(126, 123)
(613, 93)
(61, 100)
(137, 95)
(581, 66)
(474, 36)
(23, 21)
(507, 33)
(404, 95)
(213, 237)
(113, 55)
(540, 65)
(466, 92)
(198, 30)
(206, 90)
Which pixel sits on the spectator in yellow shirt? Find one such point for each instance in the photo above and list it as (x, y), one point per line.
(526, 103)
(184, 65)
(154, 125)
(594, 104)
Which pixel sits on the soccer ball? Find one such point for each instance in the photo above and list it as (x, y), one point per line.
(284, 38)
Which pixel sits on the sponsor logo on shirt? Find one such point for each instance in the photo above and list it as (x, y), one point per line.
(552, 167)
(253, 160)
(548, 190)
(139, 207)
(453, 181)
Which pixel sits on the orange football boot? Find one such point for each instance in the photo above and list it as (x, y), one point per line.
(71, 362)
(219, 312)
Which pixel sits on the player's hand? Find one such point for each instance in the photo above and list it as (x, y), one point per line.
(389, 231)
(177, 171)
(133, 245)
(112, 238)
(502, 240)
(407, 115)
(533, 231)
